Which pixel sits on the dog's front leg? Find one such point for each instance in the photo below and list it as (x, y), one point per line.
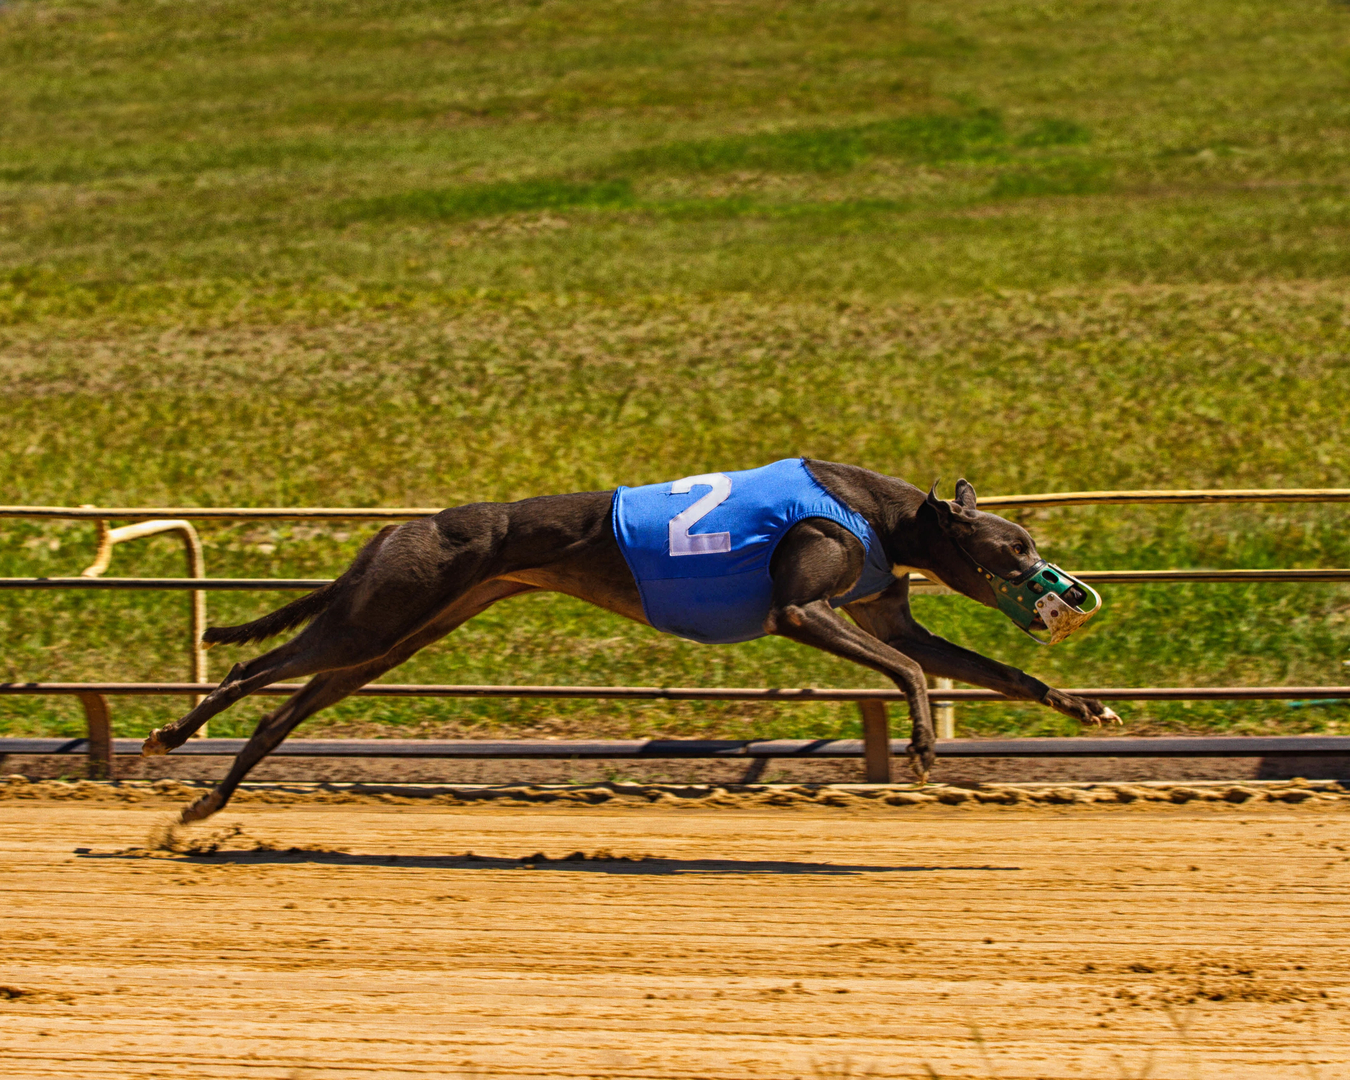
(816, 624)
(889, 618)
(940, 657)
(819, 559)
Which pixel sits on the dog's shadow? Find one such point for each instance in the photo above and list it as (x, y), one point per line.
(600, 863)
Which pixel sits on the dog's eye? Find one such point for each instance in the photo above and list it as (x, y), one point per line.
(1019, 549)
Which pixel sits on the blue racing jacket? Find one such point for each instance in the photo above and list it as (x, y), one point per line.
(699, 548)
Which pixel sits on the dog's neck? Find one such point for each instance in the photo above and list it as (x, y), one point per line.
(909, 536)
(892, 507)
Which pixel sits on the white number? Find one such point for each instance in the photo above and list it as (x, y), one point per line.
(681, 543)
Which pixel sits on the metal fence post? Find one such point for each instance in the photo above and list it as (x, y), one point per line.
(196, 568)
(876, 742)
(99, 727)
(944, 713)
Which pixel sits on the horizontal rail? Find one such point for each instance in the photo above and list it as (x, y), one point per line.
(1169, 498)
(700, 693)
(917, 581)
(1107, 747)
(404, 513)
(175, 584)
(1138, 577)
(223, 513)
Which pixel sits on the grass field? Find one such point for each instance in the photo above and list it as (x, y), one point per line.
(407, 253)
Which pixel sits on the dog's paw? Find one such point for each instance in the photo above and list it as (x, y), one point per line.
(1100, 714)
(203, 808)
(1084, 710)
(154, 745)
(921, 763)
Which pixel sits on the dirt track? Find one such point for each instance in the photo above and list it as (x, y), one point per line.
(816, 941)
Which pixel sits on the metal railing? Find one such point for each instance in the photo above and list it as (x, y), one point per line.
(405, 513)
(109, 538)
(918, 583)
(876, 745)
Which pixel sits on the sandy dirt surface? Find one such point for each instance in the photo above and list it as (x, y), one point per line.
(695, 940)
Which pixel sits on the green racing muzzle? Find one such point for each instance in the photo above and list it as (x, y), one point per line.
(1044, 598)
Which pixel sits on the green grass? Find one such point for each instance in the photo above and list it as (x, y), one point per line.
(416, 254)
(485, 200)
(836, 149)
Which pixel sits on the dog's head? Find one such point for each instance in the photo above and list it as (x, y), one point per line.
(995, 561)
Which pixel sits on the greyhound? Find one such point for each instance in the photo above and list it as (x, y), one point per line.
(847, 541)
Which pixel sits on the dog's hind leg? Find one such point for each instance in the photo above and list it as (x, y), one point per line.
(323, 690)
(332, 686)
(277, 665)
(416, 571)
(314, 649)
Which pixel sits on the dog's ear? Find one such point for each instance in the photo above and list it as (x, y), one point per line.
(954, 518)
(965, 494)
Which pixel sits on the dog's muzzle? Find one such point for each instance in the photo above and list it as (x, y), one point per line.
(1045, 599)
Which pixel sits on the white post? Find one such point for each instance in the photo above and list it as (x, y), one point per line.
(944, 713)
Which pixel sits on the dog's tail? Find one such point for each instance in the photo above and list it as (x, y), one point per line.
(297, 611)
(293, 614)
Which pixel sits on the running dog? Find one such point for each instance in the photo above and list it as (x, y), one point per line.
(719, 557)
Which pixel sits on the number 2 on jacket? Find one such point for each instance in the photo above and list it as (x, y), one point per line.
(681, 543)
